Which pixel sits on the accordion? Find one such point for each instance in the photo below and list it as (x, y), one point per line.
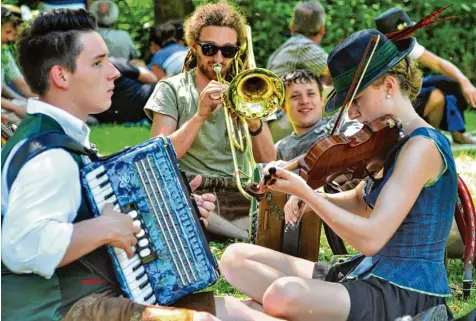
(172, 257)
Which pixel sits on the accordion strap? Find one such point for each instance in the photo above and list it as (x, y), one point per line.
(40, 143)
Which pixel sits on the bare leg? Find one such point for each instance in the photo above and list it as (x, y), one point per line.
(252, 269)
(220, 226)
(294, 298)
(233, 309)
(434, 108)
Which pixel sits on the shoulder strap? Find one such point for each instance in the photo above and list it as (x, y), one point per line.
(40, 143)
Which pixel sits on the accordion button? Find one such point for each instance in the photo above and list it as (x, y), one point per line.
(143, 242)
(137, 223)
(144, 252)
(132, 214)
(140, 234)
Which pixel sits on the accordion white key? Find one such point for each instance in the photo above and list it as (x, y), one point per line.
(172, 257)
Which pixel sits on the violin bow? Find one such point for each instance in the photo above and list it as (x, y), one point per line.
(359, 75)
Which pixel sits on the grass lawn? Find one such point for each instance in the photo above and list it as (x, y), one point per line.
(110, 139)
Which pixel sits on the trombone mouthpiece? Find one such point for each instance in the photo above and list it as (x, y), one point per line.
(217, 68)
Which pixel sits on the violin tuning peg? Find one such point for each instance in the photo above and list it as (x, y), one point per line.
(272, 170)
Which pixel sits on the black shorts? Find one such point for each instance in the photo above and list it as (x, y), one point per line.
(376, 299)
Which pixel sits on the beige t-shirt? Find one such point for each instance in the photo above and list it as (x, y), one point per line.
(210, 153)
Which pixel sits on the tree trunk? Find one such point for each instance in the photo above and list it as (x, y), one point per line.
(171, 9)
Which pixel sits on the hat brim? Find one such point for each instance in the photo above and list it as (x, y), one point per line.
(335, 100)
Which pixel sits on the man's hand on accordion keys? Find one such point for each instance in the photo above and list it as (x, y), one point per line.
(121, 231)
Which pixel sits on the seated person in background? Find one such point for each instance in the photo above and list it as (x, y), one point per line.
(47, 226)
(303, 105)
(168, 55)
(187, 107)
(301, 51)
(179, 35)
(66, 4)
(132, 90)
(11, 71)
(443, 99)
(119, 42)
(399, 222)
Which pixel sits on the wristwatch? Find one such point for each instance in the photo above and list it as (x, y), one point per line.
(256, 133)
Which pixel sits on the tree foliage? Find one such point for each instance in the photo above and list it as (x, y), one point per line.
(454, 40)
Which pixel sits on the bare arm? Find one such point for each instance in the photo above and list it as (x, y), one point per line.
(23, 87)
(158, 72)
(19, 110)
(146, 76)
(9, 93)
(418, 163)
(181, 138)
(445, 67)
(264, 150)
(369, 235)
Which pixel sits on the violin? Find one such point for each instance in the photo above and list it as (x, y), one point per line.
(356, 157)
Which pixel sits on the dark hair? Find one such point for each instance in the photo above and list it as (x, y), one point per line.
(178, 24)
(301, 76)
(7, 16)
(52, 39)
(163, 34)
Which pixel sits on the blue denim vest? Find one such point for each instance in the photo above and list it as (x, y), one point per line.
(413, 258)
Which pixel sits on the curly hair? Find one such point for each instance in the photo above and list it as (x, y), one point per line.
(221, 14)
(409, 77)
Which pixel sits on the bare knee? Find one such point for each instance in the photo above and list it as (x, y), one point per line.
(283, 296)
(233, 260)
(436, 103)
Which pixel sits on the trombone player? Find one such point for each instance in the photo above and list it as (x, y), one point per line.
(189, 108)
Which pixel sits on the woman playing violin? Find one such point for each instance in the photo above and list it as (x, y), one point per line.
(400, 222)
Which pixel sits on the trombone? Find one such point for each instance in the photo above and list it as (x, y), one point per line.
(252, 94)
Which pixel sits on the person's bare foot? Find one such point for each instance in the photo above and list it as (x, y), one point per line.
(462, 138)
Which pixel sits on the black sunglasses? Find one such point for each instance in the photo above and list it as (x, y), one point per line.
(209, 49)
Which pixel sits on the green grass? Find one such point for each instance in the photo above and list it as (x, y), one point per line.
(110, 139)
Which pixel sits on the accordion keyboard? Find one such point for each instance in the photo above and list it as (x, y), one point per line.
(171, 257)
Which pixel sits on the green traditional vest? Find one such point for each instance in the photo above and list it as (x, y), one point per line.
(32, 297)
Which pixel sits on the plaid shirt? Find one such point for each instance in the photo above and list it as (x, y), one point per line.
(294, 145)
(10, 70)
(298, 52)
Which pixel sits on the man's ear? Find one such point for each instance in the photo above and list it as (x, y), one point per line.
(283, 107)
(193, 46)
(322, 32)
(291, 27)
(59, 77)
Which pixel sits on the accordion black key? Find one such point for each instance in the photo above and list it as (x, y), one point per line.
(172, 257)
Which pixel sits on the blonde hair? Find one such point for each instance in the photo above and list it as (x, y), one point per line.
(409, 77)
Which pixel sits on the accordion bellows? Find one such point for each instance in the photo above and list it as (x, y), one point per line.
(172, 257)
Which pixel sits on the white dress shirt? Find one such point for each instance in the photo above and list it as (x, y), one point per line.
(42, 202)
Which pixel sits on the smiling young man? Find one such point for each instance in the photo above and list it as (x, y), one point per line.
(54, 264)
(188, 108)
(303, 105)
